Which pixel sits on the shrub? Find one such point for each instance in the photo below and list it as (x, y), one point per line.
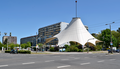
(80, 50)
(21, 51)
(24, 52)
(7, 51)
(56, 48)
(79, 47)
(72, 49)
(52, 49)
(99, 47)
(93, 48)
(67, 46)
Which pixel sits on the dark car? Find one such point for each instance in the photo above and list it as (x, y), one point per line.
(14, 51)
(114, 51)
(118, 51)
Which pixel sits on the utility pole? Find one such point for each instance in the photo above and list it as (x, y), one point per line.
(111, 36)
(103, 42)
(36, 42)
(76, 8)
(88, 44)
(0, 36)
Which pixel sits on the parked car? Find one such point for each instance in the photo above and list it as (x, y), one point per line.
(118, 51)
(14, 51)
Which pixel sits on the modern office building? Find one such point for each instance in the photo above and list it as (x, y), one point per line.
(11, 39)
(50, 31)
(31, 39)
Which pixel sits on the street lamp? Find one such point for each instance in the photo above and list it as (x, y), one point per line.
(110, 35)
(88, 44)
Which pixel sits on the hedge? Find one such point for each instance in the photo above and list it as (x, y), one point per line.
(7, 51)
(21, 51)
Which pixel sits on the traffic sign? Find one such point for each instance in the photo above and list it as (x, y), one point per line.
(111, 43)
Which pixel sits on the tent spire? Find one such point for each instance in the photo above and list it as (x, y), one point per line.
(76, 8)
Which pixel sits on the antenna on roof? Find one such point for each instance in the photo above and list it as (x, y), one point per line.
(76, 8)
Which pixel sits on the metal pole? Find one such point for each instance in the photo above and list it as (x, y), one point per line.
(76, 8)
(111, 39)
(87, 47)
(103, 42)
(0, 36)
(7, 44)
(36, 42)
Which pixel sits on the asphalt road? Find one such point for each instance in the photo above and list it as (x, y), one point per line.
(64, 61)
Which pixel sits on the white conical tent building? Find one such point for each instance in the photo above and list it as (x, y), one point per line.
(76, 32)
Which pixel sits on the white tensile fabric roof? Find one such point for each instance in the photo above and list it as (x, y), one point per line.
(75, 31)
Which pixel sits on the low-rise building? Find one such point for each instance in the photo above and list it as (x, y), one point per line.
(10, 39)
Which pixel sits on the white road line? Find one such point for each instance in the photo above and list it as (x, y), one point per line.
(32, 57)
(101, 61)
(64, 59)
(71, 57)
(29, 63)
(63, 66)
(3, 65)
(56, 56)
(49, 60)
(112, 59)
(76, 58)
(86, 57)
(85, 63)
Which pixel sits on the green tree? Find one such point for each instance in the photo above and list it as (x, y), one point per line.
(40, 45)
(1, 45)
(23, 45)
(16, 45)
(28, 44)
(118, 30)
(11, 45)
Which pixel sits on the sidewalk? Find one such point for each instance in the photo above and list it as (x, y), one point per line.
(47, 52)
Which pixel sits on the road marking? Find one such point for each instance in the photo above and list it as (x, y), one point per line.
(49, 60)
(63, 66)
(85, 63)
(76, 58)
(71, 57)
(86, 57)
(64, 59)
(101, 61)
(3, 65)
(112, 59)
(32, 57)
(56, 56)
(29, 63)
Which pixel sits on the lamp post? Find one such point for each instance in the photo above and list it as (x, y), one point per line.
(110, 36)
(88, 44)
(36, 42)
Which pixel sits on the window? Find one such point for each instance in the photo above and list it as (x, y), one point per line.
(54, 26)
(51, 33)
(46, 29)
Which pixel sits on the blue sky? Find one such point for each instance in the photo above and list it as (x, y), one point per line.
(24, 17)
